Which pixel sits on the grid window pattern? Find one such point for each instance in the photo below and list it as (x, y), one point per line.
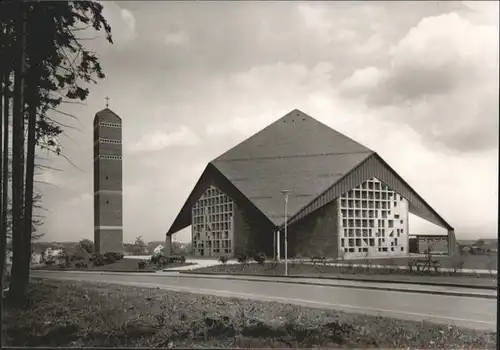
(117, 142)
(110, 125)
(212, 224)
(105, 156)
(371, 220)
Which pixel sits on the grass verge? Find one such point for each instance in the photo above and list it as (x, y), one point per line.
(324, 271)
(123, 265)
(80, 314)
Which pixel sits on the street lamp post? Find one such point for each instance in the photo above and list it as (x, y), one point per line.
(286, 192)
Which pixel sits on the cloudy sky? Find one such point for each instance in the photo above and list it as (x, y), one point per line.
(415, 81)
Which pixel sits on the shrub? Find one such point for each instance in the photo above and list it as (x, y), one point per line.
(223, 259)
(411, 263)
(64, 264)
(81, 265)
(99, 261)
(242, 258)
(165, 260)
(50, 262)
(142, 265)
(318, 258)
(260, 258)
(114, 256)
(436, 265)
(161, 261)
(156, 258)
(111, 257)
(95, 256)
(77, 258)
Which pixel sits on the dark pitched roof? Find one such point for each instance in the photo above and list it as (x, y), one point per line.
(107, 115)
(296, 153)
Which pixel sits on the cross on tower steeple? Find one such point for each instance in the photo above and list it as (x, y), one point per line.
(107, 101)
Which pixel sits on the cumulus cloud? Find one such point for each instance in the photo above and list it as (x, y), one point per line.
(361, 81)
(442, 80)
(159, 140)
(287, 86)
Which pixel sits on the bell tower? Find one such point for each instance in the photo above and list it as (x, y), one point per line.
(108, 197)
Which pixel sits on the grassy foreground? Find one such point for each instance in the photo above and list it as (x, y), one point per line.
(80, 314)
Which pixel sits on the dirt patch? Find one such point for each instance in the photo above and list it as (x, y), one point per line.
(81, 314)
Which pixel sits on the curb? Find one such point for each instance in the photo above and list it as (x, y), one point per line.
(424, 283)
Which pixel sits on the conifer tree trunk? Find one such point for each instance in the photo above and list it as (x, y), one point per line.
(30, 175)
(2, 179)
(5, 171)
(19, 283)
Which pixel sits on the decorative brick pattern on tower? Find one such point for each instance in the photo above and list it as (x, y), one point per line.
(108, 200)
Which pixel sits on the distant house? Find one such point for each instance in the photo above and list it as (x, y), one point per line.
(37, 254)
(151, 246)
(36, 258)
(480, 246)
(158, 249)
(486, 244)
(52, 254)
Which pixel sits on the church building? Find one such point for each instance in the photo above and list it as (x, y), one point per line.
(343, 199)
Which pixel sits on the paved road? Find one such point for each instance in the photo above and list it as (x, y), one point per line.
(469, 312)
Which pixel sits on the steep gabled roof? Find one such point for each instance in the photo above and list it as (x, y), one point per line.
(295, 153)
(107, 115)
